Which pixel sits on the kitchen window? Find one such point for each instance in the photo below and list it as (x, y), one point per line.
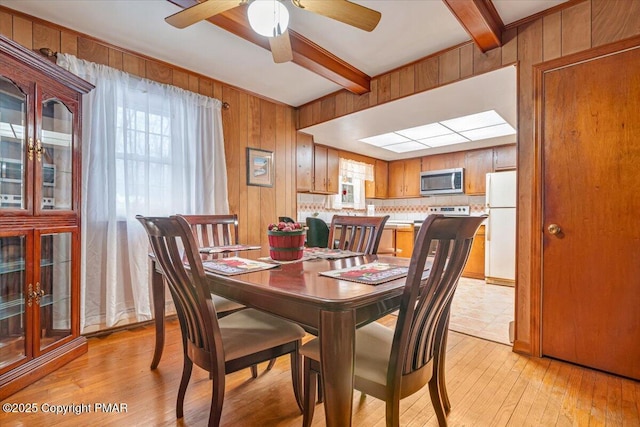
(352, 177)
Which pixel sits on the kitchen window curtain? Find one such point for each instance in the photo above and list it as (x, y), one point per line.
(148, 149)
(358, 172)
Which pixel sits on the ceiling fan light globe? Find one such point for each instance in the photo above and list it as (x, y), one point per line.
(269, 18)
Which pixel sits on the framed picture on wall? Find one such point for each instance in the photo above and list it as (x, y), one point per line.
(259, 167)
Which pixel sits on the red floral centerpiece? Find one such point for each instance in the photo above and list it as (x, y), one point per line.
(286, 241)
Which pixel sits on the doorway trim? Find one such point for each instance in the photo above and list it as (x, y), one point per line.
(537, 210)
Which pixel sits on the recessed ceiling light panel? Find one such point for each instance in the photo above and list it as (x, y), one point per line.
(385, 139)
(474, 121)
(405, 147)
(426, 131)
(489, 132)
(440, 141)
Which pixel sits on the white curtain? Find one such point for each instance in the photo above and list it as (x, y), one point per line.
(359, 173)
(148, 149)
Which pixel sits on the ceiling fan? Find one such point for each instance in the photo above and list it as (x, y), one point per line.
(270, 18)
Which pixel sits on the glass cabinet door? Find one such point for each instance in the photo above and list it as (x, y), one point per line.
(54, 287)
(13, 116)
(13, 344)
(56, 156)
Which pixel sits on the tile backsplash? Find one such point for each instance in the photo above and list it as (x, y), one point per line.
(397, 209)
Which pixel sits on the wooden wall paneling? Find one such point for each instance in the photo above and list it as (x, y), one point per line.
(316, 112)
(407, 80)
(449, 66)
(90, 50)
(6, 24)
(373, 94)
(613, 20)
(490, 60)
(240, 193)
(305, 116)
(384, 88)
(232, 133)
(133, 64)
(115, 59)
(194, 83)
(426, 74)
(181, 79)
(341, 103)
(159, 72)
(360, 102)
(290, 149)
(44, 36)
(394, 90)
(466, 60)
(217, 89)
(205, 87)
(69, 43)
(509, 46)
(327, 108)
(23, 31)
(253, 196)
(576, 28)
(268, 212)
(281, 164)
(552, 36)
(529, 53)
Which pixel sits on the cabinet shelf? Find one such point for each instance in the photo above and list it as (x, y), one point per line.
(12, 307)
(11, 267)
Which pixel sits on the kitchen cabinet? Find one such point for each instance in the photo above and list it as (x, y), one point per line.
(477, 164)
(404, 241)
(404, 178)
(40, 111)
(378, 188)
(504, 157)
(326, 170)
(475, 264)
(443, 161)
(304, 162)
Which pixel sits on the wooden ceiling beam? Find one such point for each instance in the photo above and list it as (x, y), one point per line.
(305, 53)
(480, 19)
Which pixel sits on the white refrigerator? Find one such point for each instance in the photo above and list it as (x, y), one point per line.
(500, 243)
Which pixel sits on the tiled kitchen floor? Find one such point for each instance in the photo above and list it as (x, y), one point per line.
(482, 310)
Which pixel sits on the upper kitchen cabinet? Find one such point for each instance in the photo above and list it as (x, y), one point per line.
(443, 161)
(378, 188)
(404, 178)
(326, 170)
(304, 162)
(477, 164)
(40, 119)
(504, 157)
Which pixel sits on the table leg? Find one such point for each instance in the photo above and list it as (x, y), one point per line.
(337, 351)
(157, 291)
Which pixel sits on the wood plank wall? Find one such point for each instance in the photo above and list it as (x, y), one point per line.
(251, 121)
(581, 26)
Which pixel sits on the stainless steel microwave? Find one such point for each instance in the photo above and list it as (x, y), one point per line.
(444, 181)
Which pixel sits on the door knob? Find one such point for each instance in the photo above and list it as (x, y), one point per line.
(554, 229)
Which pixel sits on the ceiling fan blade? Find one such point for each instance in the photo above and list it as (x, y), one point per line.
(344, 11)
(200, 11)
(281, 48)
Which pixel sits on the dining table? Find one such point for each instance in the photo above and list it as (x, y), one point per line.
(329, 307)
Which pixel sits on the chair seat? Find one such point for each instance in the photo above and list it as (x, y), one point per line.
(373, 347)
(250, 331)
(224, 305)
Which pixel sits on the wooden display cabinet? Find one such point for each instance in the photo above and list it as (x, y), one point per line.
(40, 116)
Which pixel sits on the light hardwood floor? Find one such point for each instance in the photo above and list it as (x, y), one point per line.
(488, 385)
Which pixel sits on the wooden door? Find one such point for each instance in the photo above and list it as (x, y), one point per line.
(304, 162)
(396, 179)
(412, 177)
(591, 176)
(320, 169)
(333, 171)
(477, 164)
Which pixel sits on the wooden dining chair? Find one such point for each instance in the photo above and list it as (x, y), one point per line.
(217, 345)
(393, 363)
(357, 233)
(219, 230)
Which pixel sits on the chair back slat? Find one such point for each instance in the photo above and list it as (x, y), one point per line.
(424, 302)
(214, 230)
(357, 233)
(195, 309)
